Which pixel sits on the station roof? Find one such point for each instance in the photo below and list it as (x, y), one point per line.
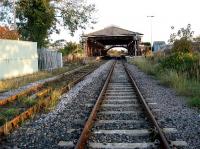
(113, 35)
(112, 31)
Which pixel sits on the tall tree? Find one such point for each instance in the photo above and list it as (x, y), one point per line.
(36, 19)
(182, 33)
(70, 48)
(182, 40)
(74, 14)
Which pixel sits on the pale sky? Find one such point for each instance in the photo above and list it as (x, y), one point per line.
(132, 15)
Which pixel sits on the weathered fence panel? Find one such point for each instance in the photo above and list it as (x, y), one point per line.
(17, 58)
(49, 60)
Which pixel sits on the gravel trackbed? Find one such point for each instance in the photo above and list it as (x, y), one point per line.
(175, 111)
(47, 130)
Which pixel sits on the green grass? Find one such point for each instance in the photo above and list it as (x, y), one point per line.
(14, 83)
(29, 102)
(55, 96)
(183, 85)
(2, 120)
(10, 112)
(145, 65)
(194, 102)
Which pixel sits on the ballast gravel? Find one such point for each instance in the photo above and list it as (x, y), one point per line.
(175, 111)
(52, 129)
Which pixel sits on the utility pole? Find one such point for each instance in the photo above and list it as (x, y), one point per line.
(151, 30)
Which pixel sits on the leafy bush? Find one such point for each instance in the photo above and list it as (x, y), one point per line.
(182, 45)
(178, 71)
(179, 68)
(186, 63)
(71, 48)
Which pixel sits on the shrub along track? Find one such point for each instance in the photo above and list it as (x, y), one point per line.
(17, 108)
(121, 118)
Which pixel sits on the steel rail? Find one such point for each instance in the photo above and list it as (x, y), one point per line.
(88, 125)
(13, 123)
(28, 91)
(164, 142)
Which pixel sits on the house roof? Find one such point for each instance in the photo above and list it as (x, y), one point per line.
(159, 42)
(112, 31)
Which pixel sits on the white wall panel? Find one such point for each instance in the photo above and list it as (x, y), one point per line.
(17, 58)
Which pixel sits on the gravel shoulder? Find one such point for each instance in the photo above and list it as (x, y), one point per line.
(47, 130)
(174, 109)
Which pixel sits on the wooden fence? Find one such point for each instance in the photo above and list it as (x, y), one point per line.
(48, 60)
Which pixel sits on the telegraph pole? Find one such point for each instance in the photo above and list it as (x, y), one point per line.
(151, 30)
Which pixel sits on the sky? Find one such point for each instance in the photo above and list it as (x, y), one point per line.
(132, 15)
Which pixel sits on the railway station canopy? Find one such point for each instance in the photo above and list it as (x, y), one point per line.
(96, 43)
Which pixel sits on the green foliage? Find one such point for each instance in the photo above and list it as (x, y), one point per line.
(182, 45)
(75, 14)
(185, 33)
(195, 102)
(146, 65)
(29, 102)
(116, 53)
(178, 71)
(186, 63)
(182, 40)
(11, 112)
(58, 44)
(181, 83)
(2, 120)
(36, 17)
(71, 48)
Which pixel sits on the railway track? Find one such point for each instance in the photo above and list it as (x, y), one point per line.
(121, 118)
(40, 96)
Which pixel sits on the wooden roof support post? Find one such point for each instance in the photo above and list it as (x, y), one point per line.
(100, 52)
(85, 49)
(135, 48)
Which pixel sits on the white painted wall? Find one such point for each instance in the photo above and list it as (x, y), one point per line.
(17, 58)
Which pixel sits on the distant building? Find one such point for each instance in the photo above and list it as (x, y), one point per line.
(158, 45)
